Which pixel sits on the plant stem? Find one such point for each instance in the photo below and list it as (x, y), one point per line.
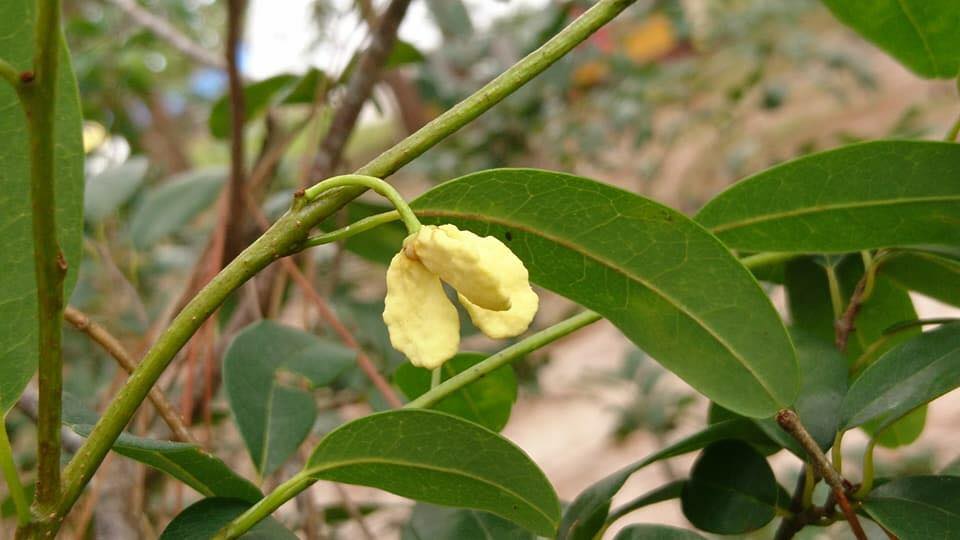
(369, 182)
(836, 452)
(790, 423)
(12, 477)
(357, 227)
(836, 297)
(9, 73)
(266, 506)
(954, 131)
(435, 377)
(867, 484)
(39, 99)
(291, 229)
(503, 357)
(759, 260)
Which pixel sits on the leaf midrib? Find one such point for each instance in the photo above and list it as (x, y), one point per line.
(583, 252)
(730, 225)
(332, 465)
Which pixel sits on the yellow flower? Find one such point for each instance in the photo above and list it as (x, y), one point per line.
(491, 282)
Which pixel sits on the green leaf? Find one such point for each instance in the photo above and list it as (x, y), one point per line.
(305, 91)
(952, 468)
(275, 416)
(168, 207)
(917, 507)
(486, 402)
(670, 286)
(190, 464)
(586, 515)
(731, 490)
(931, 274)
(429, 522)
(107, 191)
(921, 34)
(864, 196)
(437, 458)
(812, 311)
(257, 97)
(18, 326)
(905, 378)
(202, 520)
(452, 17)
(823, 376)
(656, 532)
(378, 245)
(901, 432)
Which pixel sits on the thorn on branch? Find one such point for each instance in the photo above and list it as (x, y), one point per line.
(27, 77)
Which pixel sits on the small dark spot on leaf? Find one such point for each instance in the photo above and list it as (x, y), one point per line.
(508, 235)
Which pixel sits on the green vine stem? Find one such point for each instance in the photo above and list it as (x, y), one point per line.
(836, 452)
(9, 74)
(291, 229)
(369, 182)
(9, 467)
(759, 260)
(38, 97)
(305, 478)
(866, 485)
(357, 227)
(503, 357)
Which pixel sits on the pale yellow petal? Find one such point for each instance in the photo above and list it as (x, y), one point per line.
(422, 322)
(479, 268)
(512, 322)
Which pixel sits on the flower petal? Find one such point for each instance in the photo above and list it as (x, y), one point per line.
(512, 322)
(422, 322)
(479, 268)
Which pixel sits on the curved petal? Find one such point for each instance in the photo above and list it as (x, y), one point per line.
(479, 268)
(512, 322)
(422, 322)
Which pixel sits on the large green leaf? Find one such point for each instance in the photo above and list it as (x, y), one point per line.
(107, 191)
(921, 34)
(917, 507)
(18, 298)
(823, 372)
(587, 513)
(202, 520)
(656, 532)
(441, 459)
(429, 522)
(863, 196)
(901, 432)
(274, 415)
(173, 204)
(487, 401)
(670, 286)
(932, 274)
(905, 378)
(190, 464)
(731, 490)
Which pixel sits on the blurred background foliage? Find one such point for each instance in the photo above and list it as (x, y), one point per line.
(675, 99)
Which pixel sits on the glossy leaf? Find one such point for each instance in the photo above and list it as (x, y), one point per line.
(18, 325)
(486, 402)
(731, 490)
(931, 274)
(586, 515)
(656, 532)
(921, 34)
(429, 522)
(666, 283)
(901, 432)
(823, 376)
(190, 464)
(202, 520)
(171, 205)
(917, 507)
(257, 96)
(863, 196)
(275, 415)
(107, 191)
(905, 378)
(437, 458)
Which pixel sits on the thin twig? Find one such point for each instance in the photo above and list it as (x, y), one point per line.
(359, 88)
(165, 31)
(790, 423)
(354, 511)
(118, 352)
(232, 224)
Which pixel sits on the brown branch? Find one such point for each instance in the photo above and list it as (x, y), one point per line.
(359, 88)
(116, 350)
(845, 325)
(790, 422)
(232, 224)
(165, 31)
